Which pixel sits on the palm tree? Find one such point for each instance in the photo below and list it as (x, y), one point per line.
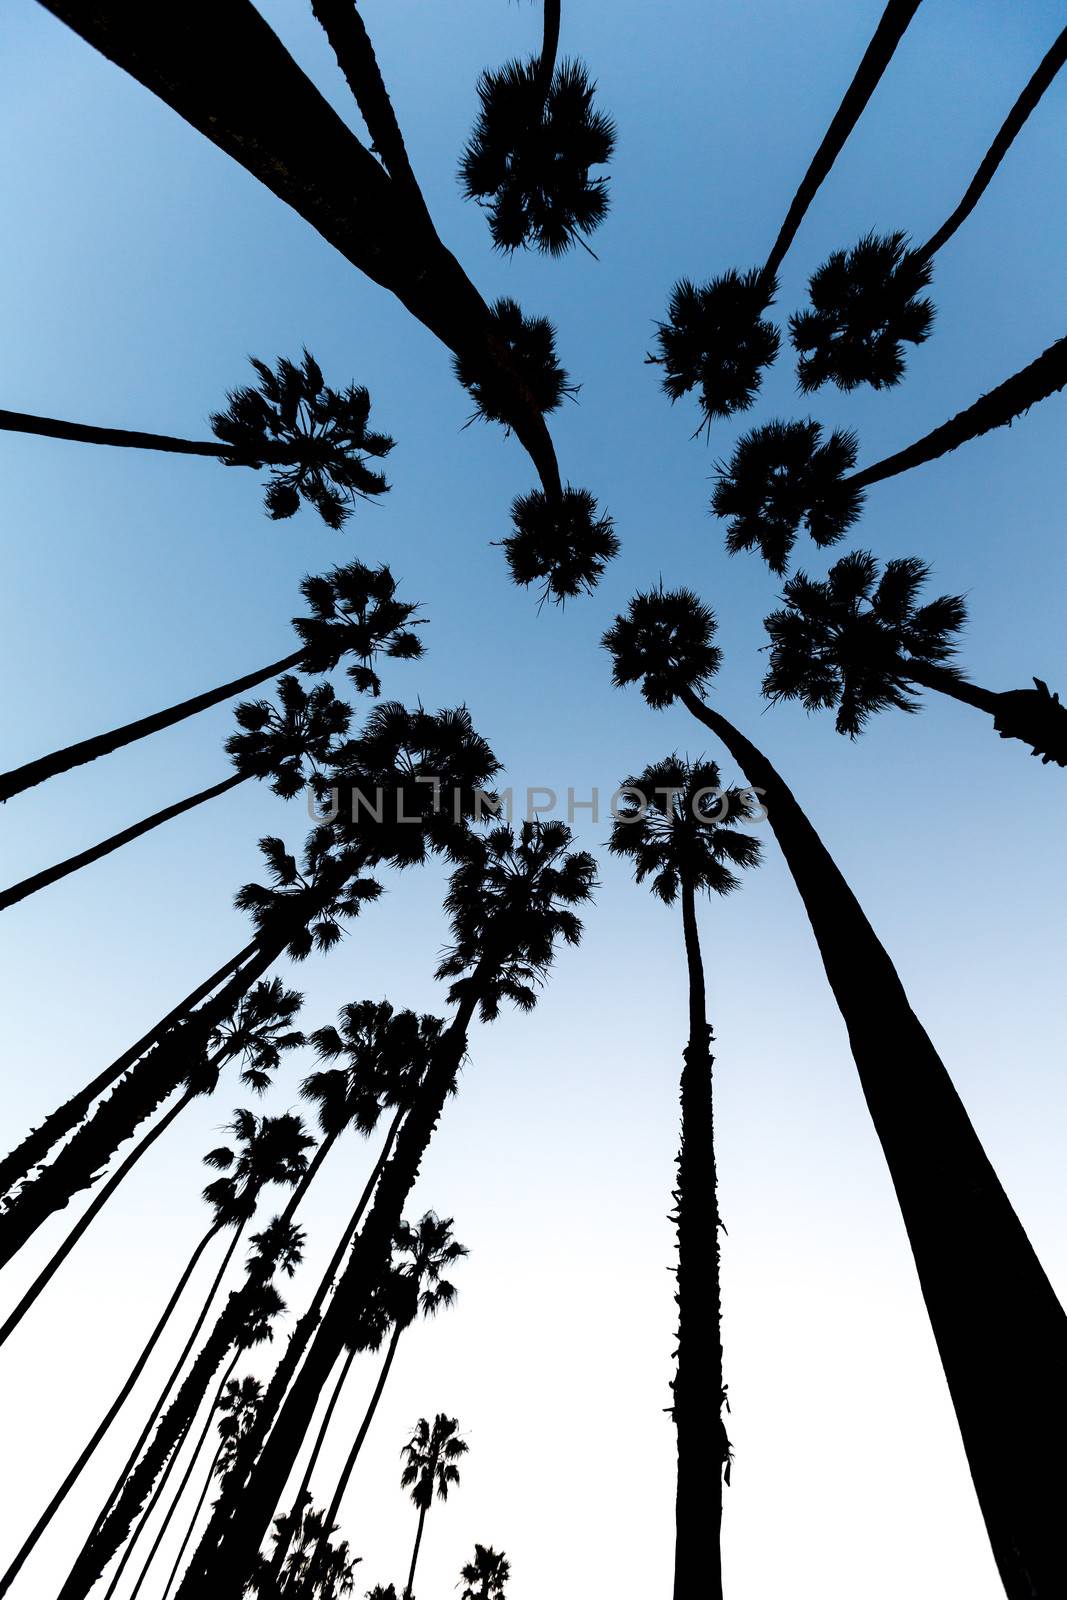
(990, 1303)
(530, 343)
(382, 1591)
(865, 303)
(560, 543)
(354, 611)
(510, 900)
(781, 475)
(860, 642)
(486, 1575)
(430, 1457)
(269, 1151)
(316, 1568)
(678, 826)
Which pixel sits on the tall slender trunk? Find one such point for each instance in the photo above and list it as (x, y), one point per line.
(276, 1390)
(86, 750)
(546, 66)
(21, 1161)
(1034, 716)
(703, 1448)
(179, 1492)
(116, 1406)
(1043, 377)
(1011, 127)
(888, 34)
(87, 433)
(103, 1196)
(253, 1512)
(1000, 1331)
(84, 858)
(415, 1553)
(301, 1498)
(192, 1524)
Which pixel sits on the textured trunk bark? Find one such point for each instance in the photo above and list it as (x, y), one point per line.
(1000, 1331)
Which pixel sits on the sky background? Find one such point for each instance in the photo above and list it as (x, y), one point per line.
(140, 268)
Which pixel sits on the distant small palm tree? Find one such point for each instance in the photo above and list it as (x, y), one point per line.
(486, 1575)
(859, 641)
(382, 1591)
(430, 1458)
(678, 825)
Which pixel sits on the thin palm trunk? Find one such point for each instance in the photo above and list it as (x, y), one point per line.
(415, 1553)
(1043, 377)
(1009, 131)
(546, 66)
(87, 433)
(281, 1379)
(285, 1539)
(17, 1166)
(1034, 716)
(104, 1195)
(703, 1448)
(183, 1485)
(86, 750)
(995, 1318)
(85, 858)
(888, 34)
(252, 1513)
(192, 1524)
(116, 1406)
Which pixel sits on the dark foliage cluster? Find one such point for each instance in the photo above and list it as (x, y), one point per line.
(866, 303)
(276, 742)
(315, 439)
(561, 542)
(522, 360)
(307, 903)
(530, 155)
(355, 611)
(665, 642)
(781, 476)
(717, 340)
(677, 825)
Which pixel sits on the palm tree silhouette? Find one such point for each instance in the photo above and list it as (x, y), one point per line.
(530, 344)
(779, 476)
(560, 543)
(959, 1221)
(860, 642)
(486, 1575)
(382, 1591)
(267, 1153)
(430, 1458)
(677, 824)
(510, 900)
(354, 611)
(864, 301)
(315, 1569)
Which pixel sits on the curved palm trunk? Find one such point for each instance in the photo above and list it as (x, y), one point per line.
(85, 858)
(48, 1272)
(1043, 377)
(1008, 133)
(192, 1525)
(17, 1166)
(546, 66)
(116, 1406)
(1000, 1331)
(252, 1513)
(86, 750)
(415, 1553)
(877, 56)
(276, 1390)
(703, 1448)
(1034, 716)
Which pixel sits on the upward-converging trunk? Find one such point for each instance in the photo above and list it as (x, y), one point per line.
(1000, 1331)
(703, 1448)
(415, 1553)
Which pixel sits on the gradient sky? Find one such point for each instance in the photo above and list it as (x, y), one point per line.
(140, 268)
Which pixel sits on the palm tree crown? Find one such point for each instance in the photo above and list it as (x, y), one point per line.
(276, 741)
(559, 542)
(665, 642)
(430, 1457)
(355, 611)
(486, 1575)
(677, 826)
(238, 1404)
(426, 1249)
(270, 1150)
(716, 339)
(527, 347)
(260, 1032)
(782, 475)
(847, 642)
(386, 1054)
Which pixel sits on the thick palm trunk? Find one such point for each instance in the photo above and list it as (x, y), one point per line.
(1010, 129)
(1000, 1331)
(86, 750)
(408, 1591)
(703, 1448)
(276, 1390)
(116, 1406)
(48, 1272)
(1043, 377)
(1034, 716)
(176, 1568)
(888, 34)
(301, 1498)
(17, 1166)
(85, 858)
(219, 65)
(252, 1513)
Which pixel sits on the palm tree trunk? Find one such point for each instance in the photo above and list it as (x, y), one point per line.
(103, 1196)
(1000, 1331)
(546, 66)
(86, 750)
(276, 1390)
(931, 676)
(415, 1553)
(116, 1406)
(1009, 131)
(86, 433)
(1043, 377)
(192, 1525)
(1034, 716)
(252, 1513)
(703, 1448)
(285, 1539)
(17, 1166)
(888, 34)
(85, 858)
(183, 1485)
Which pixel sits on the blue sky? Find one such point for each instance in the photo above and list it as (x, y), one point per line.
(141, 268)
